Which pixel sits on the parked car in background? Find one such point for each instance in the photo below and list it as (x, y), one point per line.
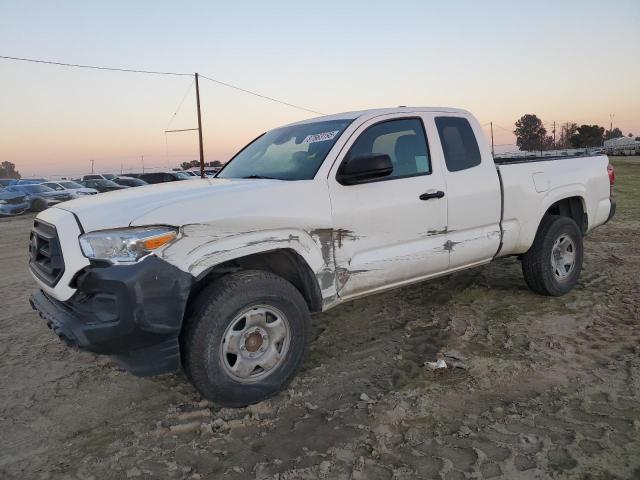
(39, 196)
(130, 181)
(75, 189)
(160, 177)
(12, 203)
(27, 181)
(99, 176)
(208, 171)
(102, 185)
(5, 182)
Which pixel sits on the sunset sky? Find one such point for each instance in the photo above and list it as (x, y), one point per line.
(573, 61)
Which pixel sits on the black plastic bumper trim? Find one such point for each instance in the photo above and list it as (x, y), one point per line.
(132, 312)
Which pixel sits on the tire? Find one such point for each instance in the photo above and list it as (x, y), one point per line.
(38, 205)
(555, 236)
(213, 328)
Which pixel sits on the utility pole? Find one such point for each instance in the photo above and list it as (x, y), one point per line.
(492, 150)
(199, 128)
(554, 134)
(611, 115)
(92, 166)
(142, 159)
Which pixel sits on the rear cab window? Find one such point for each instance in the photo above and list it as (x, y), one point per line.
(459, 143)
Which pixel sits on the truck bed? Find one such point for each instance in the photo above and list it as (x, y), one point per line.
(532, 185)
(505, 160)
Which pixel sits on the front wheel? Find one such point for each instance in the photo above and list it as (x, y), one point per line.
(246, 338)
(38, 205)
(553, 263)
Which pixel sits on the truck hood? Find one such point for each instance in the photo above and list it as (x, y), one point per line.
(172, 203)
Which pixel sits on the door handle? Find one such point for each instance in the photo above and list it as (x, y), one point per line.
(428, 196)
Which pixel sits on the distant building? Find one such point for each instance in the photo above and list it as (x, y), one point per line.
(620, 142)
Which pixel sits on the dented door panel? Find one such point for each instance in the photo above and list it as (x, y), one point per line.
(391, 235)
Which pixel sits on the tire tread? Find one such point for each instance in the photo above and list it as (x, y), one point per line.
(535, 262)
(205, 307)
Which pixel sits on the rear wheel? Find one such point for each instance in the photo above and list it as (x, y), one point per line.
(246, 338)
(553, 263)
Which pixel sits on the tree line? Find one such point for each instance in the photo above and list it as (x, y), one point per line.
(8, 170)
(531, 135)
(196, 163)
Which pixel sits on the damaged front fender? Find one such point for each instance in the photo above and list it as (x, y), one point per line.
(201, 248)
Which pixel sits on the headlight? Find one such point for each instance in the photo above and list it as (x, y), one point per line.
(126, 245)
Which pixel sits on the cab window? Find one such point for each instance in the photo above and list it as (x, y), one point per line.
(458, 143)
(403, 140)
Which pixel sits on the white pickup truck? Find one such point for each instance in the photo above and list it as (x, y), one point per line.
(219, 276)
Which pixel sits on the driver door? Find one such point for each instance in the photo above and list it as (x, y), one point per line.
(392, 230)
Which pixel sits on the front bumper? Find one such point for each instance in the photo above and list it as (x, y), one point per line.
(9, 209)
(132, 312)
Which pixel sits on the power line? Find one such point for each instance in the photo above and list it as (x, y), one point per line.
(153, 72)
(260, 95)
(94, 67)
(180, 105)
(505, 129)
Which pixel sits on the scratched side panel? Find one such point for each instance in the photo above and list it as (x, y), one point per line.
(386, 234)
(474, 204)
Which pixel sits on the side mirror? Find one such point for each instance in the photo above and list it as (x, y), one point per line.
(364, 168)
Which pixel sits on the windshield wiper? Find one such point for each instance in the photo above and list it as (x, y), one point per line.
(261, 177)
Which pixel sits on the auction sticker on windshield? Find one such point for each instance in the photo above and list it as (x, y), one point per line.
(320, 137)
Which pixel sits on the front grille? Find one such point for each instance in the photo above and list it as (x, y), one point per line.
(45, 254)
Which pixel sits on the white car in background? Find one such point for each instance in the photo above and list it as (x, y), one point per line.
(75, 189)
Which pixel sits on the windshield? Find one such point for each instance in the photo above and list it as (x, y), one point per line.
(106, 183)
(181, 175)
(71, 185)
(131, 181)
(108, 176)
(33, 188)
(287, 153)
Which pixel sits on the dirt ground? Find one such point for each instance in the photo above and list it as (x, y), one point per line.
(542, 387)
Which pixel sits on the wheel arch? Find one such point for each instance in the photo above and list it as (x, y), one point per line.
(573, 207)
(284, 262)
